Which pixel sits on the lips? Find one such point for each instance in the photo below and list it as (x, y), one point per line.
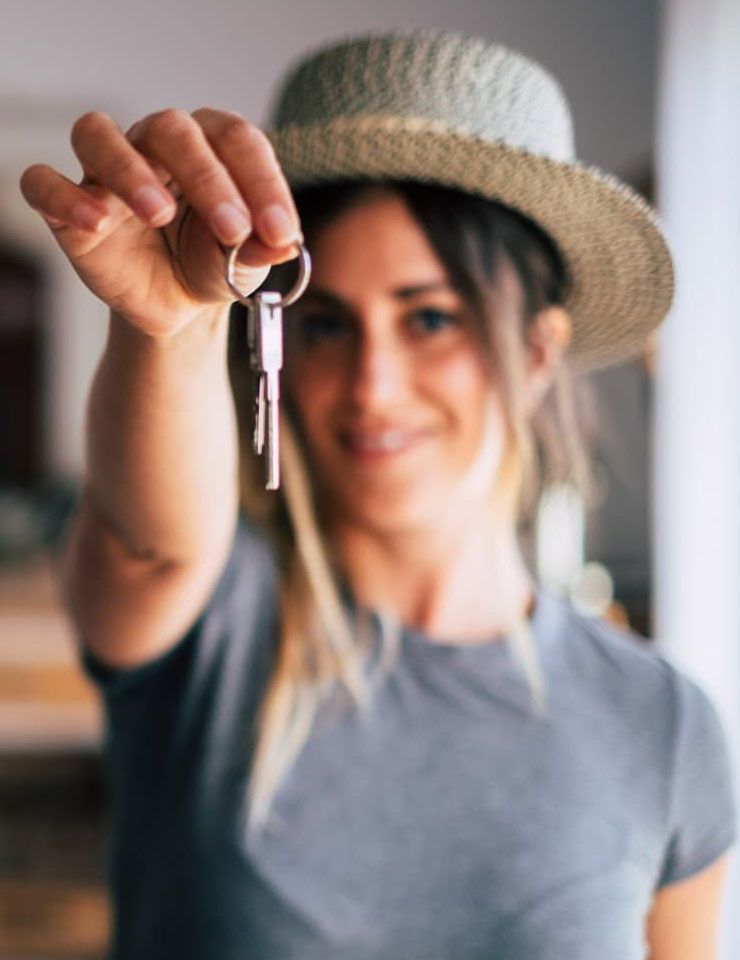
(378, 443)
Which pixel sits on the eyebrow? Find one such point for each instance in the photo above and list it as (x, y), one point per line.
(400, 293)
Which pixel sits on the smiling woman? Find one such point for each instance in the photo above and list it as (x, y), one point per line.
(348, 723)
(431, 330)
(392, 386)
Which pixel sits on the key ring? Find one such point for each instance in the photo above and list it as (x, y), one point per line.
(304, 275)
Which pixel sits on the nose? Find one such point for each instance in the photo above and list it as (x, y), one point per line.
(380, 375)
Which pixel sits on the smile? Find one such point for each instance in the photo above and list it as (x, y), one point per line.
(380, 443)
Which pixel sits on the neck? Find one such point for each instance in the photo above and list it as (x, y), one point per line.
(465, 582)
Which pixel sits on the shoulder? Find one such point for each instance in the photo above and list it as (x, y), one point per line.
(252, 556)
(629, 683)
(662, 734)
(636, 701)
(613, 662)
(246, 591)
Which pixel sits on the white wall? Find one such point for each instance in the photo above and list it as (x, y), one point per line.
(58, 59)
(137, 55)
(697, 430)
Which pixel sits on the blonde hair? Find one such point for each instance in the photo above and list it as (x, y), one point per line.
(321, 648)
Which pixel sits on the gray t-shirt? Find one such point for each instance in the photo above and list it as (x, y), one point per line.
(446, 823)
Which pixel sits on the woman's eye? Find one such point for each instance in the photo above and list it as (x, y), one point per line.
(316, 327)
(432, 320)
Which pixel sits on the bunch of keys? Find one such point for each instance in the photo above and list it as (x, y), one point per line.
(265, 342)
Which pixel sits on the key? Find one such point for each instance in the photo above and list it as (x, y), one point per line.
(258, 440)
(273, 428)
(265, 344)
(267, 360)
(258, 437)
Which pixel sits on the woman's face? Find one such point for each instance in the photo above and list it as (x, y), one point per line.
(386, 374)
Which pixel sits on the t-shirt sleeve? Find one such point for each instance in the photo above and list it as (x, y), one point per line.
(703, 809)
(174, 721)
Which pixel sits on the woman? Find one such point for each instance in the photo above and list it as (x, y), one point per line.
(352, 725)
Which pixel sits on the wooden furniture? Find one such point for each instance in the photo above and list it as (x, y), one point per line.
(53, 901)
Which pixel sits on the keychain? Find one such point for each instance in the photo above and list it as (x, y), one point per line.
(265, 342)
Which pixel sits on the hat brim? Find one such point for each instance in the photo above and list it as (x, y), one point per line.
(618, 260)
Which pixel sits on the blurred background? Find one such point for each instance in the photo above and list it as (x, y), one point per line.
(654, 89)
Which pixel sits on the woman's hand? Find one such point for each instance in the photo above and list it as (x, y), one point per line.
(144, 228)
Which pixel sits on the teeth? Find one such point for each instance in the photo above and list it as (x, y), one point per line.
(387, 441)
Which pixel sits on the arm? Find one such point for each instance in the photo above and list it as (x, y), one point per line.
(682, 924)
(160, 498)
(159, 506)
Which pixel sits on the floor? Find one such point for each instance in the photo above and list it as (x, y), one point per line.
(53, 901)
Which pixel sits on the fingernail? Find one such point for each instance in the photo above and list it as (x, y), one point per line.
(87, 217)
(149, 203)
(277, 227)
(230, 223)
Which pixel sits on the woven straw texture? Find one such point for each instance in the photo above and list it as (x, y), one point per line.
(468, 114)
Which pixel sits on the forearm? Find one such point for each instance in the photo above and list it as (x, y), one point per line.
(162, 452)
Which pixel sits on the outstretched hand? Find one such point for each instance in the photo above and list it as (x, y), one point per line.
(146, 226)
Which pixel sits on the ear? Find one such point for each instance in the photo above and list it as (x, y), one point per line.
(548, 337)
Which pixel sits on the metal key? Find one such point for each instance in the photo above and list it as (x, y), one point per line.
(267, 360)
(265, 343)
(258, 438)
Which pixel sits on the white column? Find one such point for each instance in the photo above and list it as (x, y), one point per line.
(697, 425)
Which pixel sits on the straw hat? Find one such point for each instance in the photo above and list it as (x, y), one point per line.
(472, 115)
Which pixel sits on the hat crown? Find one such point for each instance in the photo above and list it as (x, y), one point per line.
(453, 82)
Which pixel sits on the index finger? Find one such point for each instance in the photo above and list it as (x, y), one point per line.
(250, 160)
